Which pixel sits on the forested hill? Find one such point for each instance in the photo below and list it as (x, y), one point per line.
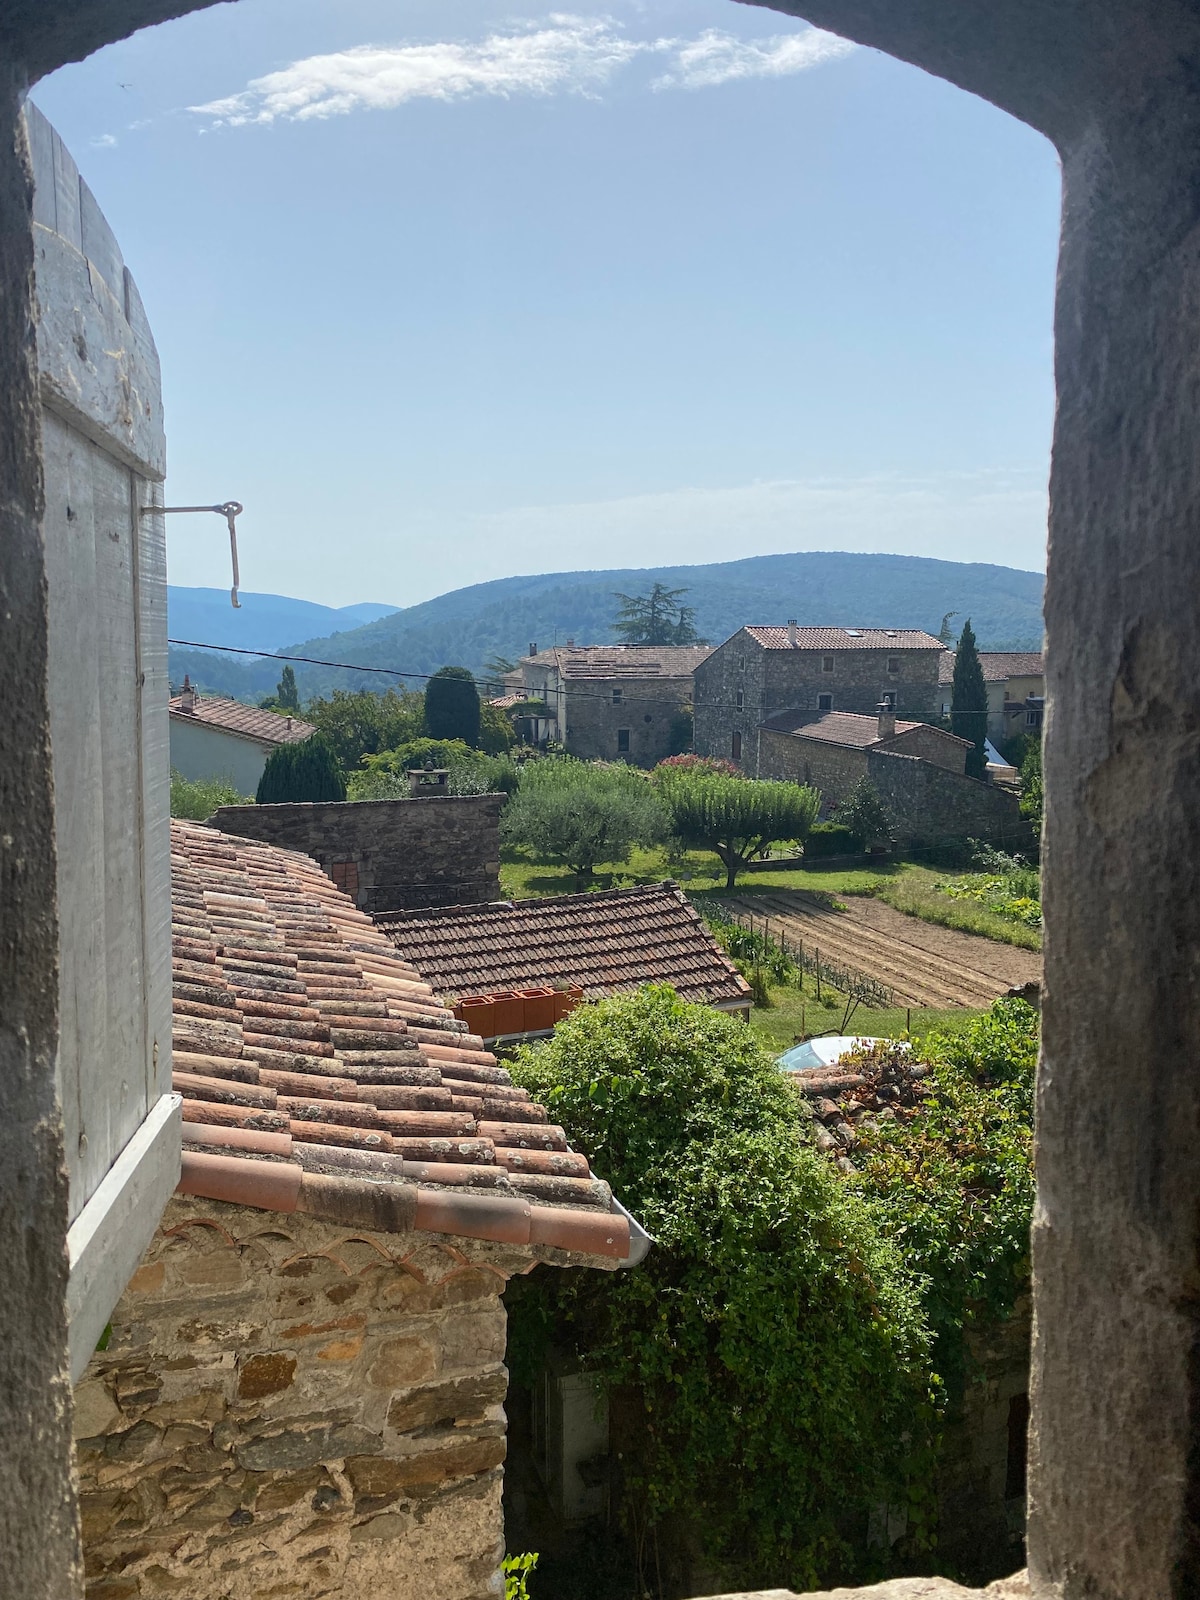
(469, 626)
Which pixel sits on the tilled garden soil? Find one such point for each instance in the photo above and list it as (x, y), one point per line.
(925, 965)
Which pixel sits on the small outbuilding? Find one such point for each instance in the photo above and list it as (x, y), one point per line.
(519, 953)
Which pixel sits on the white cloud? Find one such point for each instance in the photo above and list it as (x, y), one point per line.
(717, 57)
(565, 55)
(104, 141)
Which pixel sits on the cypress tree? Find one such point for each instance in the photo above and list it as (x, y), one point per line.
(968, 701)
(452, 706)
(295, 773)
(286, 694)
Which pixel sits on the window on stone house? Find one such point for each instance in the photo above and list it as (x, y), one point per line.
(824, 702)
(893, 663)
(616, 694)
(741, 663)
(1031, 719)
(735, 747)
(741, 699)
(826, 663)
(622, 741)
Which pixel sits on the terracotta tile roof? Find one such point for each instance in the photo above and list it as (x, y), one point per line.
(602, 661)
(846, 728)
(252, 722)
(998, 665)
(614, 940)
(773, 638)
(319, 1073)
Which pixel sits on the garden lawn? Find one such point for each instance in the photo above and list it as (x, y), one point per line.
(796, 1013)
(698, 871)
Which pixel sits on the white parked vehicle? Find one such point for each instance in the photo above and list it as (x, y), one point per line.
(818, 1055)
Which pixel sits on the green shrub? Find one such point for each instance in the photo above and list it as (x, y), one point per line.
(195, 799)
(772, 1337)
(830, 839)
(865, 815)
(582, 813)
(308, 771)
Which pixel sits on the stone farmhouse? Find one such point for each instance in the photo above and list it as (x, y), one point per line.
(762, 671)
(598, 944)
(304, 1384)
(212, 737)
(614, 702)
(1016, 690)
(917, 769)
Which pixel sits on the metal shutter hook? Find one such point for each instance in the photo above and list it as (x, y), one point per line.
(230, 510)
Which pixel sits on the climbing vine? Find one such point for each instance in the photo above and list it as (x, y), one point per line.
(773, 1338)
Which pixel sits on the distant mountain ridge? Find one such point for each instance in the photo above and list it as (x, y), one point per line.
(503, 617)
(264, 622)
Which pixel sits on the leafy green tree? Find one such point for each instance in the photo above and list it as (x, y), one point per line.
(452, 706)
(969, 702)
(197, 798)
(772, 1341)
(300, 772)
(496, 732)
(361, 722)
(736, 818)
(582, 813)
(656, 618)
(865, 815)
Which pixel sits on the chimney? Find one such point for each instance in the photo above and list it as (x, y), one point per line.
(187, 697)
(793, 632)
(570, 644)
(533, 647)
(887, 719)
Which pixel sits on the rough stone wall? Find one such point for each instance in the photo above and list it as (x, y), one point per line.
(648, 709)
(834, 769)
(290, 1408)
(792, 680)
(405, 853)
(931, 745)
(927, 803)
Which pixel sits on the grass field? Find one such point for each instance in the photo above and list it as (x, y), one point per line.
(699, 872)
(902, 884)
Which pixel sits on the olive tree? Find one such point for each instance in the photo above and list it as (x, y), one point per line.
(737, 817)
(582, 813)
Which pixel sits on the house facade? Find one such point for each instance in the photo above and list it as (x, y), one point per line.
(762, 671)
(1016, 690)
(303, 1387)
(615, 702)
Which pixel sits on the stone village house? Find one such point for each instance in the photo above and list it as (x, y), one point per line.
(613, 702)
(762, 671)
(1114, 1460)
(304, 1385)
(213, 737)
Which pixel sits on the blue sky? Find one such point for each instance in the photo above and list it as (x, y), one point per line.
(446, 291)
